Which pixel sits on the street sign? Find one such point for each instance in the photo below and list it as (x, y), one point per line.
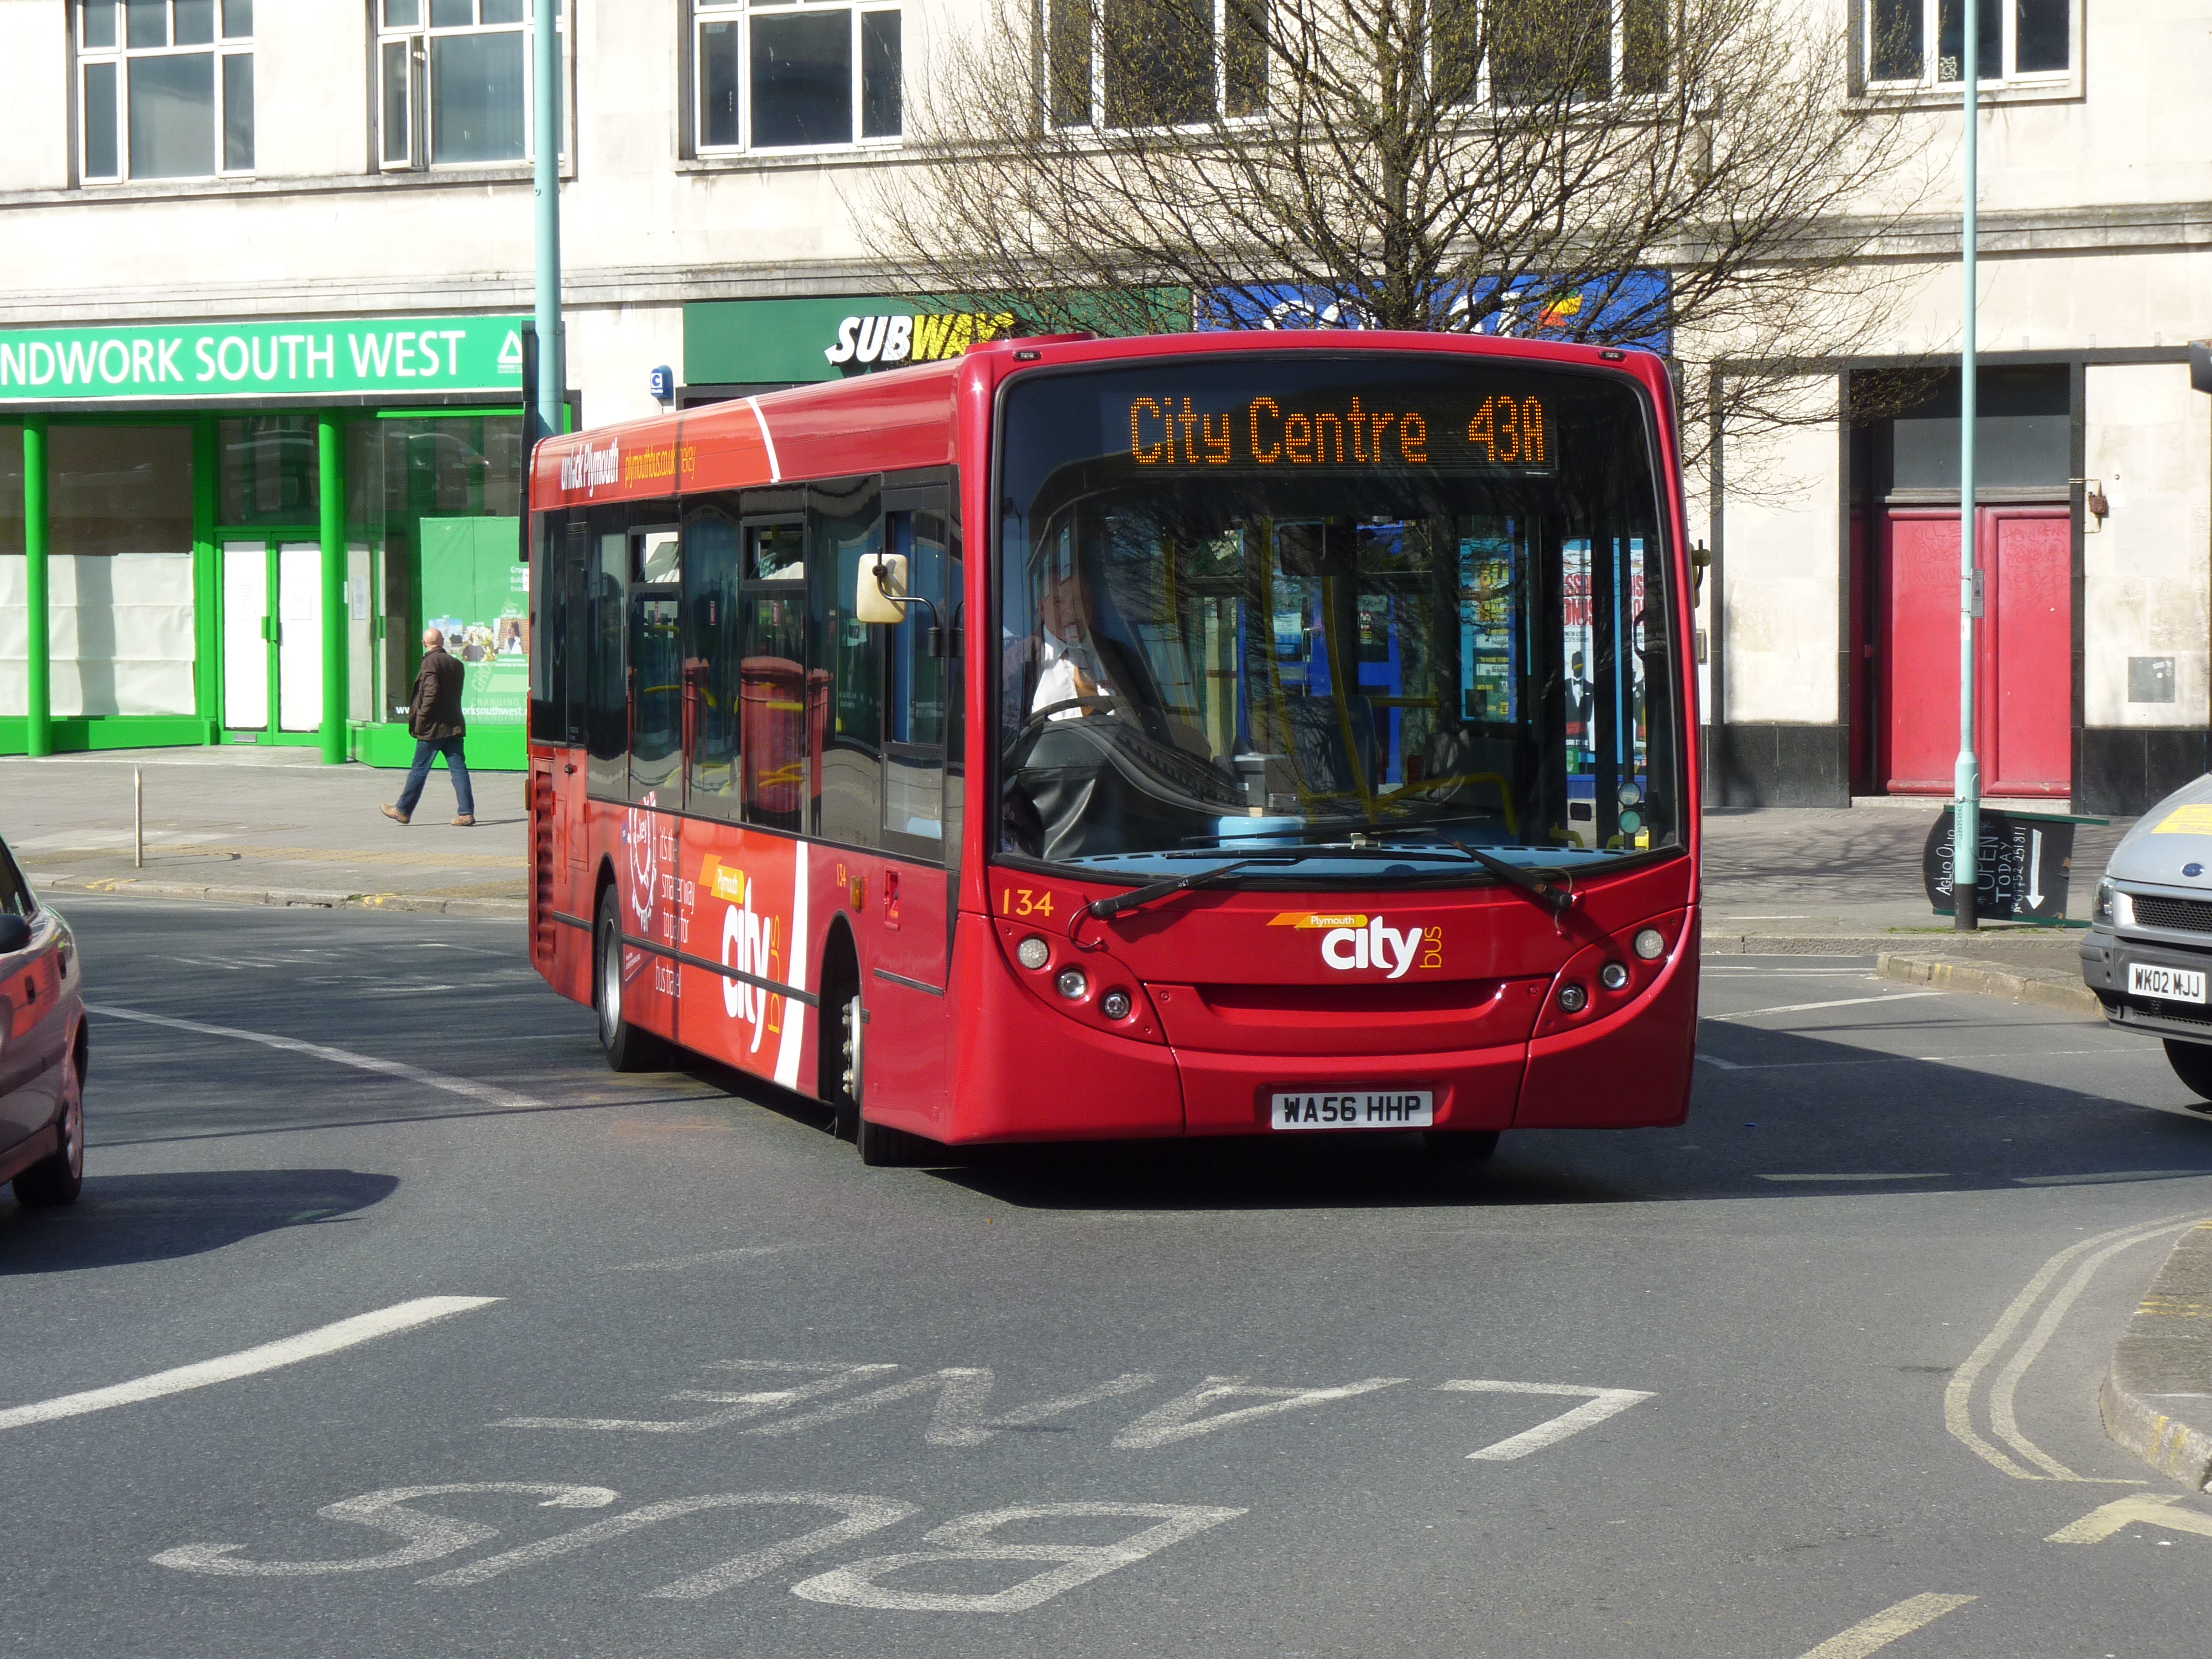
(2027, 861)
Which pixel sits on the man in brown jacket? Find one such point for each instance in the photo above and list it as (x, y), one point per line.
(434, 718)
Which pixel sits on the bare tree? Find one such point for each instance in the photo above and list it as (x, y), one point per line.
(1694, 174)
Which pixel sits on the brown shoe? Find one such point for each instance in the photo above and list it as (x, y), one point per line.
(395, 815)
(466, 821)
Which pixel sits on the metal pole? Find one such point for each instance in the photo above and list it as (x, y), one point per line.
(330, 459)
(39, 646)
(137, 817)
(1967, 812)
(552, 378)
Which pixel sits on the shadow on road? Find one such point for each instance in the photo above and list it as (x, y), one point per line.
(157, 1217)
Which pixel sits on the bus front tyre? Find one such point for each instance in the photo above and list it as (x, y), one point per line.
(1459, 1145)
(627, 1048)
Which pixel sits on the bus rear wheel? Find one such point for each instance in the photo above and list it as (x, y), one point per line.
(627, 1048)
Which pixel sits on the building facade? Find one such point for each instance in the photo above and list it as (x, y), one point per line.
(266, 265)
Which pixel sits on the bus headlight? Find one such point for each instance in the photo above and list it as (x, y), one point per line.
(1073, 984)
(1573, 998)
(1033, 952)
(1614, 975)
(1650, 945)
(1114, 1004)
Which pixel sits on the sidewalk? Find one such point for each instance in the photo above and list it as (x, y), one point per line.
(263, 826)
(1791, 881)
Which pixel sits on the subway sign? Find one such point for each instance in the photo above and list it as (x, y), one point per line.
(323, 357)
(884, 341)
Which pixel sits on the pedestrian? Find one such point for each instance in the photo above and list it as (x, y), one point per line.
(435, 718)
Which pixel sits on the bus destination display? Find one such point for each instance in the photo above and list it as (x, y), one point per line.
(1497, 432)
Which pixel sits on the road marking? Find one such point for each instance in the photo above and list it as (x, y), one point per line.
(1870, 1635)
(491, 1094)
(743, 1253)
(247, 1362)
(2145, 1509)
(1937, 1176)
(426, 1537)
(2127, 1051)
(1184, 1416)
(969, 1538)
(1840, 1002)
(2098, 1176)
(1958, 1394)
(735, 1406)
(957, 1418)
(1598, 1405)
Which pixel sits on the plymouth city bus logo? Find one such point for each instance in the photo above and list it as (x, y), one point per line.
(1349, 943)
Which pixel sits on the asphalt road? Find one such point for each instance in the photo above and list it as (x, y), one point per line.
(1796, 1370)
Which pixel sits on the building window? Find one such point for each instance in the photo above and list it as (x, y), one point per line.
(1155, 63)
(165, 89)
(795, 76)
(453, 82)
(1922, 43)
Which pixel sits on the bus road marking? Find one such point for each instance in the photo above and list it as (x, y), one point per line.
(248, 1362)
(1598, 1404)
(1870, 1635)
(491, 1094)
(1840, 1002)
(2143, 1509)
(671, 1264)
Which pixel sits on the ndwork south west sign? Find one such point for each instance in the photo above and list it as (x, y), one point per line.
(192, 362)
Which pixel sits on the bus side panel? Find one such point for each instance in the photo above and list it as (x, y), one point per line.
(737, 893)
(1631, 1071)
(1022, 1072)
(898, 932)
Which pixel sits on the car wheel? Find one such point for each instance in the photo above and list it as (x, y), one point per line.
(627, 1048)
(57, 1178)
(1459, 1145)
(2192, 1064)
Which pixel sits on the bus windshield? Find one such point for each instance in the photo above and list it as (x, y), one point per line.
(1370, 602)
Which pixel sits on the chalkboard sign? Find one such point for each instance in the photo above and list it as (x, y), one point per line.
(2026, 862)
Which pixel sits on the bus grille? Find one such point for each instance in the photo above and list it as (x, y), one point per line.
(2175, 915)
(541, 831)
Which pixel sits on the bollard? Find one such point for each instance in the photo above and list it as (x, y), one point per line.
(137, 818)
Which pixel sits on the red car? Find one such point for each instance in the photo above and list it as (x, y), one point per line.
(42, 1047)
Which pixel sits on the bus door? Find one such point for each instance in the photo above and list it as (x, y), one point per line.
(652, 825)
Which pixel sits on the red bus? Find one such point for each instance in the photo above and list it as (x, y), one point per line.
(1278, 731)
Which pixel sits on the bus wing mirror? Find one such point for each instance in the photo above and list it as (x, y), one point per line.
(880, 588)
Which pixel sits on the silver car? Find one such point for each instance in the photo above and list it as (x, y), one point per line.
(42, 1047)
(2148, 954)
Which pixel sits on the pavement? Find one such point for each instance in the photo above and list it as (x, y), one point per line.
(494, 1352)
(263, 826)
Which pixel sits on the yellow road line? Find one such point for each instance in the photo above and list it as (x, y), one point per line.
(1886, 1627)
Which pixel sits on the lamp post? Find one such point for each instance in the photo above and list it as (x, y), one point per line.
(1966, 810)
(545, 104)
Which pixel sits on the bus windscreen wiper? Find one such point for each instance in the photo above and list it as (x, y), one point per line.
(1557, 899)
(1155, 891)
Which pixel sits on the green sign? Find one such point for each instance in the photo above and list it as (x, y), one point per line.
(477, 594)
(197, 362)
(763, 341)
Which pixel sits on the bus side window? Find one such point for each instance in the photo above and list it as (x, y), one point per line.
(918, 686)
(549, 622)
(844, 531)
(608, 719)
(714, 583)
(780, 705)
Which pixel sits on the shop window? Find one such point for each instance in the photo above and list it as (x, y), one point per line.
(11, 491)
(795, 76)
(2023, 435)
(165, 89)
(120, 595)
(453, 82)
(270, 471)
(1922, 43)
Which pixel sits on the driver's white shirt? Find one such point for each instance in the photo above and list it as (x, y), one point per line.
(1068, 669)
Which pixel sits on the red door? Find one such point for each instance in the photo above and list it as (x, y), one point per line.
(2024, 677)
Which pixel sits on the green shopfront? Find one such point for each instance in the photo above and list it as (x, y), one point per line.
(236, 532)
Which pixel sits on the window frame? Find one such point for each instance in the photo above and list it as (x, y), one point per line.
(85, 58)
(415, 39)
(700, 14)
(2007, 85)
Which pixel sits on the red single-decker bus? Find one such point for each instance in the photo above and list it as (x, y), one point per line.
(1210, 734)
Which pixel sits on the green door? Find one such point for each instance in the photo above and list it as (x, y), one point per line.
(272, 635)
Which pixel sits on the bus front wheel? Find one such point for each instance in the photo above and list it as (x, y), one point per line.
(627, 1048)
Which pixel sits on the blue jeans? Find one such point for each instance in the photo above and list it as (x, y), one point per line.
(419, 773)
